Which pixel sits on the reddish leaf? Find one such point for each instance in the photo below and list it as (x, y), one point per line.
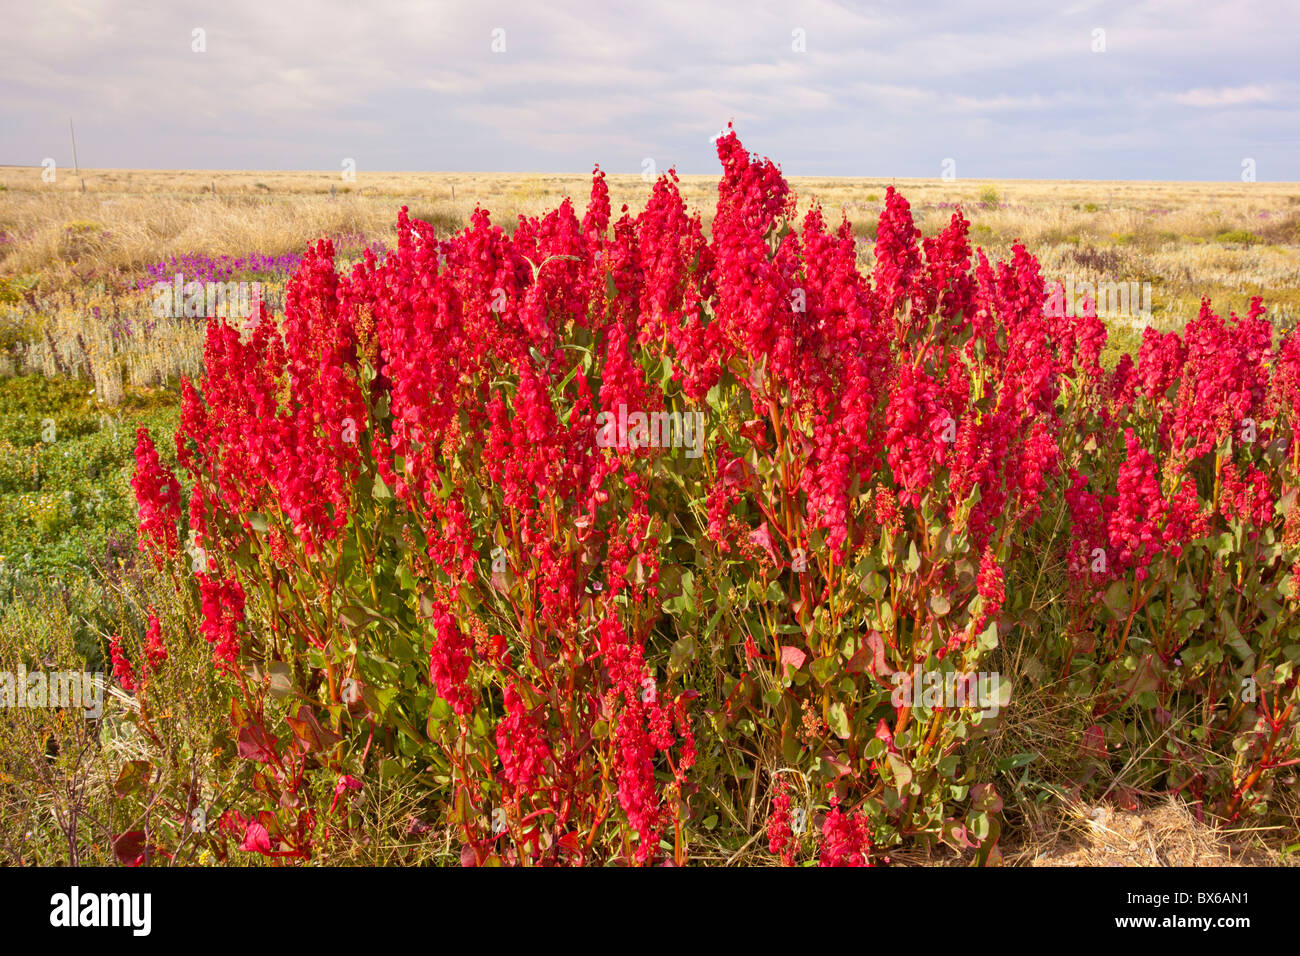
(307, 729)
(762, 537)
(841, 768)
(1126, 798)
(256, 839)
(269, 822)
(954, 835)
(756, 431)
(985, 798)
(733, 473)
(129, 848)
(256, 744)
(876, 648)
(793, 656)
(1094, 742)
(346, 783)
(870, 658)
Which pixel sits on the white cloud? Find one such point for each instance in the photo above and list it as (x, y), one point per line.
(1225, 96)
(892, 89)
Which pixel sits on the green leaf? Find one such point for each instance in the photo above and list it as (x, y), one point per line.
(380, 699)
(913, 561)
(564, 382)
(404, 651)
(901, 771)
(1117, 598)
(281, 679)
(133, 775)
(1019, 760)
(683, 653)
(824, 668)
(838, 721)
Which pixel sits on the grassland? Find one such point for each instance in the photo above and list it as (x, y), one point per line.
(1228, 240)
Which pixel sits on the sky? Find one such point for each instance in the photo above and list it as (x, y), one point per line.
(1153, 89)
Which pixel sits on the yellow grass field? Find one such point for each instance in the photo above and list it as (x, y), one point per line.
(97, 230)
(1236, 235)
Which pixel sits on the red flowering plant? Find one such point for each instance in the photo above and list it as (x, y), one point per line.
(536, 531)
(271, 465)
(412, 469)
(880, 452)
(518, 516)
(1183, 597)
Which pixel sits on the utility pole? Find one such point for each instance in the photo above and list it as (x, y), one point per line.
(76, 171)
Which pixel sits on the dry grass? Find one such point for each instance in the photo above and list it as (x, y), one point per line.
(1163, 834)
(126, 218)
(110, 339)
(631, 188)
(1230, 241)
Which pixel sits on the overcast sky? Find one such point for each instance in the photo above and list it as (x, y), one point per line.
(1183, 89)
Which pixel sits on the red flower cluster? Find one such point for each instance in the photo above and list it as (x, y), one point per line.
(158, 497)
(122, 670)
(521, 743)
(449, 662)
(223, 610)
(846, 840)
(780, 835)
(154, 648)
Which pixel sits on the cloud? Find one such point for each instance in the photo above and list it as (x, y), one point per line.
(823, 86)
(1225, 96)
